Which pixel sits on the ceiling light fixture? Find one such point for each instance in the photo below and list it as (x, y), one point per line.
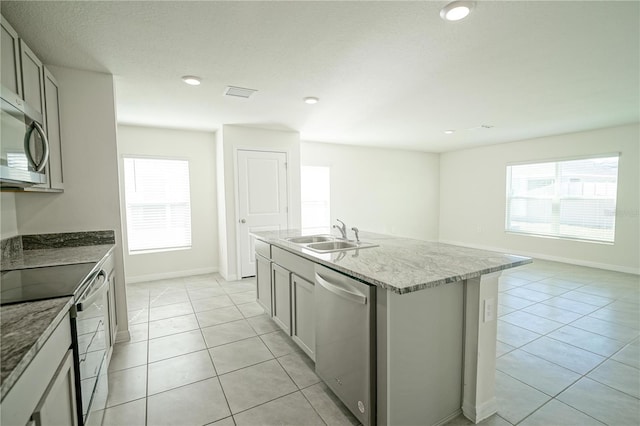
(457, 10)
(192, 80)
(311, 100)
(449, 132)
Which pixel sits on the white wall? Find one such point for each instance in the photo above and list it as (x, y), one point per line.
(90, 200)
(199, 149)
(473, 192)
(8, 219)
(380, 190)
(230, 139)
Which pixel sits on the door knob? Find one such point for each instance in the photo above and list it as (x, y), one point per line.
(243, 221)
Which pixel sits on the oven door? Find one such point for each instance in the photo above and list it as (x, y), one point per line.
(24, 148)
(92, 336)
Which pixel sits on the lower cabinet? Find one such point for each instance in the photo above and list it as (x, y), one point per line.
(263, 283)
(303, 314)
(281, 285)
(286, 292)
(58, 404)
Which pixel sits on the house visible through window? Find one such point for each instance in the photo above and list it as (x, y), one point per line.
(315, 184)
(158, 205)
(573, 199)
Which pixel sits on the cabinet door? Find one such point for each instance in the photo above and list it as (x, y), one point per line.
(58, 404)
(32, 79)
(263, 283)
(10, 68)
(52, 127)
(281, 285)
(303, 327)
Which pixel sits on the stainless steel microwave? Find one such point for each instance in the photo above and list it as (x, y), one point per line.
(24, 149)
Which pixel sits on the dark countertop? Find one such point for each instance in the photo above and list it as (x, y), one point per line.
(25, 327)
(55, 256)
(401, 265)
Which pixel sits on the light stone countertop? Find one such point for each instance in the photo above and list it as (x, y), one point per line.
(401, 265)
(56, 256)
(24, 329)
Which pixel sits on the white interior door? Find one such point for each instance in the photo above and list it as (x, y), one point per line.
(262, 200)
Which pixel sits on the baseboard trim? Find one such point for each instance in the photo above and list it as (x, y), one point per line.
(607, 266)
(168, 275)
(481, 412)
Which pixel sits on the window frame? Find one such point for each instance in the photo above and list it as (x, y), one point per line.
(126, 206)
(556, 199)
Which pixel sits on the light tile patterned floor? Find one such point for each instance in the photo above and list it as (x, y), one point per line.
(201, 353)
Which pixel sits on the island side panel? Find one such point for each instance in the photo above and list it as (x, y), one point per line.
(480, 347)
(423, 347)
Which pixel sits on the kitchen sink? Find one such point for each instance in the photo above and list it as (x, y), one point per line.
(327, 243)
(332, 245)
(311, 239)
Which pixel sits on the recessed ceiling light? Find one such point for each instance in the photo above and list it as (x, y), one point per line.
(191, 80)
(457, 10)
(311, 100)
(449, 132)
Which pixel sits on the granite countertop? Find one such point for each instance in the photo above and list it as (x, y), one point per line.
(55, 256)
(24, 328)
(401, 265)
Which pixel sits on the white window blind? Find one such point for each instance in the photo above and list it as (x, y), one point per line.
(315, 186)
(573, 199)
(158, 204)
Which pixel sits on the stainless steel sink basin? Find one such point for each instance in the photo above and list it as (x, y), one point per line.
(311, 239)
(332, 246)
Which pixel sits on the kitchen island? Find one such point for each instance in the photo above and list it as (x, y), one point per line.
(435, 320)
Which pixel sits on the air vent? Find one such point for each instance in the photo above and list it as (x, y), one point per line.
(238, 92)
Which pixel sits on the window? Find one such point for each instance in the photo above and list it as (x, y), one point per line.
(569, 199)
(158, 204)
(315, 186)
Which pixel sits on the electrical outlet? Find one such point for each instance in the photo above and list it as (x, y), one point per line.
(489, 310)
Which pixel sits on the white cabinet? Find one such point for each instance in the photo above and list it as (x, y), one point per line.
(303, 329)
(47, 376)
(10, 75)
(52, 127)
(32, 79)
(281, 290)
(58, 404)
(263, 283)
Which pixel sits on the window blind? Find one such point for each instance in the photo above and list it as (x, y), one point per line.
(158, 204)
(573, 199)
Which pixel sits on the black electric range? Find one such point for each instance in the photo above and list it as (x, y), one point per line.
(49, 282)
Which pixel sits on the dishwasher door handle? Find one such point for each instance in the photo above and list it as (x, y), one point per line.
(340, 291)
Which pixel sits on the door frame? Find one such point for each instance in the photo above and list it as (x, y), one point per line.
(237, 197)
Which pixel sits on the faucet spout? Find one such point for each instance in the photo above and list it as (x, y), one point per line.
(342, 228)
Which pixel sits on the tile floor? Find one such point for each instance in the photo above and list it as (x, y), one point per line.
(202, 352)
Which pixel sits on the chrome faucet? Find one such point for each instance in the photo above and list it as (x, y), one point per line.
(342, 229)
(355, 231)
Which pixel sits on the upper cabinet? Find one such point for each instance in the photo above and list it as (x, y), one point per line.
(32, 79)
(10, 71)
(52, 124)
(24, 75)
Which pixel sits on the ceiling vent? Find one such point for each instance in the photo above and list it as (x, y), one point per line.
(238, 92)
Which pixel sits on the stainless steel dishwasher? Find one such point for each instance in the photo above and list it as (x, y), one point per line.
(345, 312)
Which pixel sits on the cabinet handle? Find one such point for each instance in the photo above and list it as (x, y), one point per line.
(45, 146)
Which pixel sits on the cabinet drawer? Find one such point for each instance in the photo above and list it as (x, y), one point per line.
(296, 264)
(263, 249)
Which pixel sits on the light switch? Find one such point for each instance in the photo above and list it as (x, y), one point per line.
(489, 310)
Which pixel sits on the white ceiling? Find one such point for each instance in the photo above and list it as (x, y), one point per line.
(387, 73)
